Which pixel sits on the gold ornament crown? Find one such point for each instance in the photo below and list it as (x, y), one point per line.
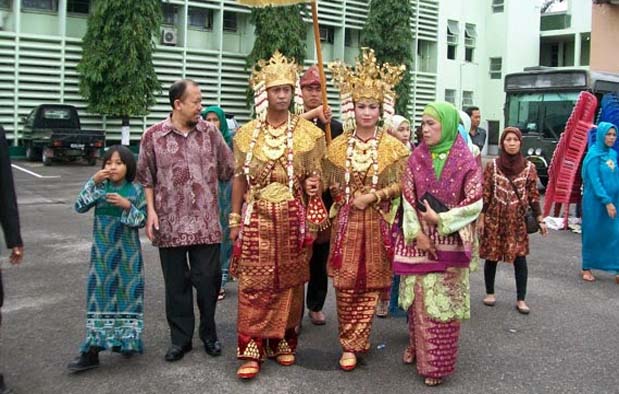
(367, 80)
(278, 70)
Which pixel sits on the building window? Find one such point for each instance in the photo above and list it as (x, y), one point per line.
(496, 67)
(554, 55)
(452, 39)
(78, 6)
(450, 96)
(230, 21)
(6, 4)
(170, 14)
(40, 5)
(327, 34)
(498, 6)
(467, 99)
(470, 35)
(200, 18)
(351, 37)
(585, 49)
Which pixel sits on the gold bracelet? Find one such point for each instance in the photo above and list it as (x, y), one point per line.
(375, 194)
(234, 225)
(234, 216)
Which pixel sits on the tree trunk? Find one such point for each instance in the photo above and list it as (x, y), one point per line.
(124, 131)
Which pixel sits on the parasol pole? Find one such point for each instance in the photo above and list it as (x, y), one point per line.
(321, 69)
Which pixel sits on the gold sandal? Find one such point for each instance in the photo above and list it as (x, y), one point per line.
(348, 363)
(433, 381)
(247, 371)
(285, 360)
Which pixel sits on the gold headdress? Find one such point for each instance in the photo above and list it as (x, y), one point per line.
(367, 81)
(278, 70)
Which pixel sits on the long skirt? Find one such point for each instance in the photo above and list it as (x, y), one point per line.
(355, 311)
(434, 343)
(268, 322)
(115, 294)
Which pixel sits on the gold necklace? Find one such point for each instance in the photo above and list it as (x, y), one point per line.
(274, 142)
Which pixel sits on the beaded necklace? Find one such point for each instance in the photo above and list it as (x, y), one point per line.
(360, 161)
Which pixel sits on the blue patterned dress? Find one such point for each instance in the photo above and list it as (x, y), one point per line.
(115, 294)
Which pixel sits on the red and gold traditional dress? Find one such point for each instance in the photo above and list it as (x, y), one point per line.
(271, 258)
(359, 260)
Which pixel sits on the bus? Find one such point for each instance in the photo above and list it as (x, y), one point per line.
(539, 101)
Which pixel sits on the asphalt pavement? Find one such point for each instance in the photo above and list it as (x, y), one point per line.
(568, 344)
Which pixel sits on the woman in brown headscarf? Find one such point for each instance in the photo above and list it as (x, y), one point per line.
(510, 187)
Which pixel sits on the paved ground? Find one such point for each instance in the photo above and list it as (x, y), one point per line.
(568, 344)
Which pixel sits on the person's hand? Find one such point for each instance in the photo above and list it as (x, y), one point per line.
(312, 185)
(334, 189)
(17, 254)
(425, 244)
(543, 229)
(612, 211)
(152, 224)
(234, 234)
(429, 216)
(118, 200)
(327, 113)
(363, 201)
(101, 175)
(479, 224)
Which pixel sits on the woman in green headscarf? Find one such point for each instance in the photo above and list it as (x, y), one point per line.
(441, 198)
(216, 116)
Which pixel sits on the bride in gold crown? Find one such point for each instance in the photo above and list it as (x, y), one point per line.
(363, 167)
(278, 167)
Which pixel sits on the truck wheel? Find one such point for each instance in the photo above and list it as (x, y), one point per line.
(47, 161)
(32, 154)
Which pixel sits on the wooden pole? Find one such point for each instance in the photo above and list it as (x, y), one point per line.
(321, 69)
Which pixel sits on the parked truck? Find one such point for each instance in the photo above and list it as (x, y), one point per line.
(53, 132)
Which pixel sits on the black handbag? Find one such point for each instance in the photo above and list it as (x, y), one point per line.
(436, 204)
(529, 217)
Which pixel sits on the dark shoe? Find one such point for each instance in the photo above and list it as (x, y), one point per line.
(317, 318)
(3, 388)
(212, 347)
(176, 352)
(84, 362)
(128, 353)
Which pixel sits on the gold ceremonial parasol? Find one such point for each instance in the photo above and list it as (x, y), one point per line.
(323, 79)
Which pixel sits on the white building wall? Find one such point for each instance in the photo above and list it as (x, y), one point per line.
(512, 35)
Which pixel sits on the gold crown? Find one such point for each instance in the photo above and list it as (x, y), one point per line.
(277, 71)
(367, 80)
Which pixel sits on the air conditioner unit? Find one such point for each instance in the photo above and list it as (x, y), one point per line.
(168, 36)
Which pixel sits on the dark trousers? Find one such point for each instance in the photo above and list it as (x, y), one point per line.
(204, 273)
(318, 283)
(521, 272)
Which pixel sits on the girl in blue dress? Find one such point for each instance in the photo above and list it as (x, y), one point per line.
(115, 294)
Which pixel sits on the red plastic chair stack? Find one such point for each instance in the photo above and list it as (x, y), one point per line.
(564, 178)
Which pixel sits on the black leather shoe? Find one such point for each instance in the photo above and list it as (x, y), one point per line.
(176, 352)
(212, 347)
(83, 362)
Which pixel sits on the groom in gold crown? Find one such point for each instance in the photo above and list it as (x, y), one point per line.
(277, 184)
